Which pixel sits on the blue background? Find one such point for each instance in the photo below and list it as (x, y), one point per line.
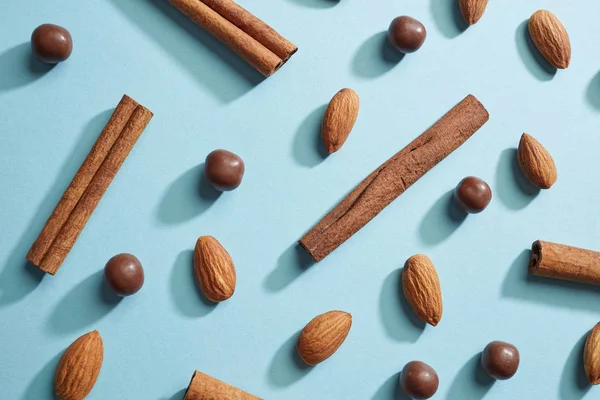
(204, 98)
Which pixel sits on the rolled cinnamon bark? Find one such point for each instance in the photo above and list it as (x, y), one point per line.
(244, 45)
(394, 176)
(254, 27)
(204, 387)
(568, 263)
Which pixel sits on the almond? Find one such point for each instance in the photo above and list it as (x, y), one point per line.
(79, 367)
(421, 286)
(339, 119)
(536, 163)
(214, 269)
(551, 38)
(322, 336)
(472, 10)
(591, 355)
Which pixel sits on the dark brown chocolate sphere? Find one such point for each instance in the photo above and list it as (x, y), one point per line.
(51, 43)
(473, 195)
(406, 34)
(224, 170)
(418, 380)
(124, 274)
(500, 360)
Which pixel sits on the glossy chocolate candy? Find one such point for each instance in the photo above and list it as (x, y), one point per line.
(473, 195)
(500, 360)
(418, 380)
(406, 34)
(224, 170)
(124, 274)
(51, 43)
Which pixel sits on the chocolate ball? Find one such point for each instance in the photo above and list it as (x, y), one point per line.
(406, 34)
(224, 170)
(500, 360)
(418, 380)
(51, 43)
(473, 195)
(124, 274)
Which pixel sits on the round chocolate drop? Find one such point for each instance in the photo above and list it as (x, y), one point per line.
(224, 170)
(406, 34)
(51, 43)
(500, 360)
(473, 195)
(124, 274)
(418, 380)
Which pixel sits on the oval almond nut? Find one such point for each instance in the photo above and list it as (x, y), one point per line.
(79, 367)
(472, 10)
(339, 119)
(536, 163)
(214, 269)
(421, 287)
(551, 38)
(591, 355)
(322, 336)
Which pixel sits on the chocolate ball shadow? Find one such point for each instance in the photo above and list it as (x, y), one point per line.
(375, 57)
(20, 67)
(390, 389)
(287, 367)
(187, 197)
(471, 382)
(536, 64)
(290, 265)
(444, 217)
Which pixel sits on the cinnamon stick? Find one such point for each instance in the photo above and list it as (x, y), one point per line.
(394, 176)
(82, 178)
(254, 27)
(569, 263)
(204, 387)
(240, 42)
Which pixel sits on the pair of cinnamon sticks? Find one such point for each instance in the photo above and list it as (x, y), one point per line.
(246, 35)
(79, 201)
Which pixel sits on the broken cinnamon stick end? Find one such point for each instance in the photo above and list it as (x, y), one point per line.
(316, 256)
(536, 256)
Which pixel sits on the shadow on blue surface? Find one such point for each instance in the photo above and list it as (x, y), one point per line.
(19, 277)
(187, 296)
(375, 57)
(177, 396)
(441, 220)
(593, 92)
(573, 381)
(85, 305)
(532, 58)
(227, 76)
(522, 285)
(316, 3)
(287, 367)
(450, 27)
(290, 265)
(512, 187)
(187, 197)
(308, 148)
(399, 320)
(19, 67)
(471, 382)
(41, 386)
(390, 390)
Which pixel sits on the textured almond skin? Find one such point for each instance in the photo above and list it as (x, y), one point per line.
(421, 286)
(472, 10)
(214, 269)
(339, 119)
(591, 355)
(79, 367)
(536, 163)
(322, 336)
(551, 38)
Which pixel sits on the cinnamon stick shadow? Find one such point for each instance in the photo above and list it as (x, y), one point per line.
(290, 265)
(227, 76)
(19, 277)
(520, 284)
